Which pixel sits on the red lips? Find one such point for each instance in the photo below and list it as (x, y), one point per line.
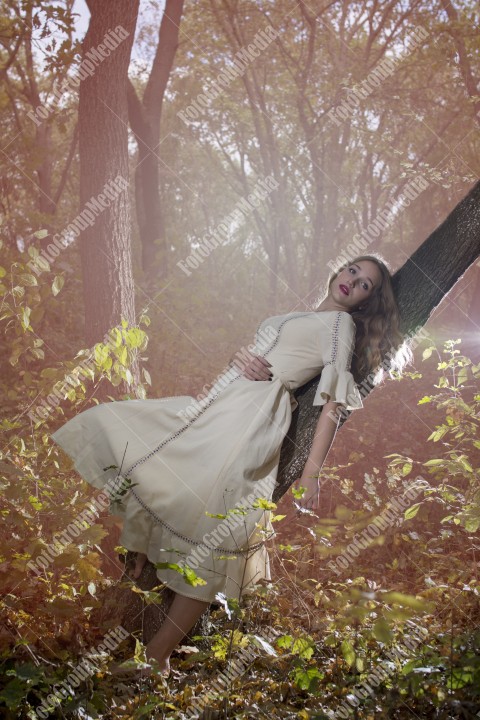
(344, 289)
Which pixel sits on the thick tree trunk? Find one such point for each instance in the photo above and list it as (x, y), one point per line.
(420, 285)
(105, 245)
(144, 119)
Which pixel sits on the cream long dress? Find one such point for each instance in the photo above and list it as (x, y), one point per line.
(186, 460)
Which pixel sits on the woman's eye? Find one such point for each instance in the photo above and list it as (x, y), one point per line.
(365, 285)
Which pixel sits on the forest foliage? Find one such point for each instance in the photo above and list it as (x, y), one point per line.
(397, 611)
(393, 625)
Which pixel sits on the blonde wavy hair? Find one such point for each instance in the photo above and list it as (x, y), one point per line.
(380, 347)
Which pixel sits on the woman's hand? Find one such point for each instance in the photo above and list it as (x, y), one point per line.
(257, 368)
(311, 496)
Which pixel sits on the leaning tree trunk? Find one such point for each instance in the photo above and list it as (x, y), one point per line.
(419, 285)
(105, 245)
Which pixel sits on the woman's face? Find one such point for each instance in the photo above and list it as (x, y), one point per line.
(355, 283)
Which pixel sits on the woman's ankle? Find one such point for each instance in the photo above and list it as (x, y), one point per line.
(140, 561)
(158, 660)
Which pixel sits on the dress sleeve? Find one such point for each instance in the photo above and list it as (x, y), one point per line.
(336, 382)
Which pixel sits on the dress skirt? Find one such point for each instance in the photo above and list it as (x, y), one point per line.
(191, 484)
(193, 480)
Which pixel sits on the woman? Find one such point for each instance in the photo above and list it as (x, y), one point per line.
(190, 479)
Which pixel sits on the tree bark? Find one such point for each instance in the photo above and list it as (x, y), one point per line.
(144, 116)
(105, 246)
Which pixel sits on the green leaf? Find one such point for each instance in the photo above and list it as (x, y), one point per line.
(306, 679)
(188, 573)
(343, 513)
(57, 284)
(35, 502)
(381, 630)
(13, 693)
(298, 493)
(472, 524)
(462, 376)
(407, 601)
(192, 578)
(348, 652)
(264, 504)
(147, 377)
(303, 647)
(169, 566)
(464, 463)
(285, 641)
(122, 354)
(28, 279)
(25, 317)
(411, 511)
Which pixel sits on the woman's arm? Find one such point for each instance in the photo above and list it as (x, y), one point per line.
(321, 443)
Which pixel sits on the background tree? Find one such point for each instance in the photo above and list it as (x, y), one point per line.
(105, 248)
(145, 116)
(39, 165)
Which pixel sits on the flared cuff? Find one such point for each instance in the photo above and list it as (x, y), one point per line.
(339, 386)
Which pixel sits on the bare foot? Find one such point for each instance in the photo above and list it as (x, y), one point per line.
(157, 668)
(153, 669)
(156, 658)
(139, 565)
